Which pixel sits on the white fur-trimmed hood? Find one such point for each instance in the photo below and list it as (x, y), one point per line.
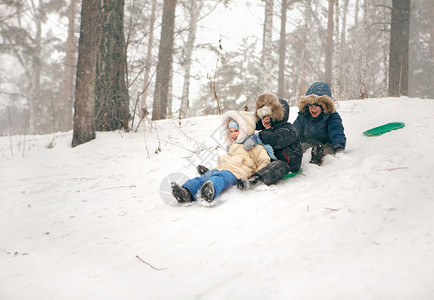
(245, 120)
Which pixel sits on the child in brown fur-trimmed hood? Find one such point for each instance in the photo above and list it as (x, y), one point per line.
(272, 116)
(319, 124)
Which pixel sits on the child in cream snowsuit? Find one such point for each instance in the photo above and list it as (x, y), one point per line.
(237, 163)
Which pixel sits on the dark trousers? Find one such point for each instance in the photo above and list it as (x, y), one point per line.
(273, 172)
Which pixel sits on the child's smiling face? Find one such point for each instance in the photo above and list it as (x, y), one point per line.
(315, 110)
(266, 122)
(233, 134)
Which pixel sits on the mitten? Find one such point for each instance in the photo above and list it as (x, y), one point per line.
(251, 142)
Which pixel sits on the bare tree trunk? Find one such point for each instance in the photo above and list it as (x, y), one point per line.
(84, 115)
(356, 14)
(399, 48)
(67, 92)
(267, 46)
(144, 108)
(194, 16)
(431, 39)
(342, 57)
(385, 51)
(112, 102)
(282, 51)
(301, 87)
(165, 58)
(36, 107)
(337, 55)
(364, 66)
(329, 46)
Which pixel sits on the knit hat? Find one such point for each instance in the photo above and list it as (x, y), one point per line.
(319, 89)
(233, 124)
(264, 111)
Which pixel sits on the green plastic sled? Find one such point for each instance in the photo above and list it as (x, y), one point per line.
(289, 175)
(384, 128)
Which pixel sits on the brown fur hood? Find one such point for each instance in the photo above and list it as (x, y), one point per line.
(245, 120)
(272, 101)
(327, 104)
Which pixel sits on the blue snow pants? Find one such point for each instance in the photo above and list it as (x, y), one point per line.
(220, 179)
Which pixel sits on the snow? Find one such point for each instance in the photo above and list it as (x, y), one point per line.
(97, 222)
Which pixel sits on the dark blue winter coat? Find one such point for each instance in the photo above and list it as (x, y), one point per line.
(282, 136)
(326, 128)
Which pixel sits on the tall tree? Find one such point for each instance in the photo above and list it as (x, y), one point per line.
(364, 53)
(282, 51)
(267, 47)
(36, 106)
(84, 115)
(165, 58)
(399, 46)
(329, 45)
(112, 102)
(194, 10)
(144, 106)
(337, 51)
(67, 91)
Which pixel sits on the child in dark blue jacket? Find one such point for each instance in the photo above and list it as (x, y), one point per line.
(319, 124)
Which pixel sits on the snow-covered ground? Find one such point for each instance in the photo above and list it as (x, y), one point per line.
(97, 221)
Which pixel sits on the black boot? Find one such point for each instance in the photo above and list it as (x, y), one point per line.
(317, 154)
(202, 170)
(181, 193)
(247, 184)
(207, 191)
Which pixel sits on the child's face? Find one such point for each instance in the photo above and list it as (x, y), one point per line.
(266, 122)
(314, 110)
(233, 134)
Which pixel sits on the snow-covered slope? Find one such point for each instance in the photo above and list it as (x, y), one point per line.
(96, 221)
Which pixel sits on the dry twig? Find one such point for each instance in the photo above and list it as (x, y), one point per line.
(149, 264)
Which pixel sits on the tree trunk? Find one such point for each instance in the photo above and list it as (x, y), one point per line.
(364, 66)
(337, 54)
(342, 58)
(281, 90)
(67, 92)
(329, 46)
(385, 50)
(267, 47)
(144, 106)
(399, 47)
(112, 102)
(165, 57)
(36, 107)
(194, 15)
(431, 38)
(84, 115)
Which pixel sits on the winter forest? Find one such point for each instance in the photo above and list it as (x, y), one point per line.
(96, 65)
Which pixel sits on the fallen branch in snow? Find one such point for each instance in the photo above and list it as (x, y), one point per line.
(117, 187)
(333, 209)
(149, 264)
(392, 169)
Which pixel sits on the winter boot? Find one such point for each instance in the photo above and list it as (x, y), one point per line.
(207, 191)
(181, 193)
(247, 184)
(202, 170)
(317, 154)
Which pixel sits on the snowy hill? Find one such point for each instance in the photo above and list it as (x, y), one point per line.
(96, 221)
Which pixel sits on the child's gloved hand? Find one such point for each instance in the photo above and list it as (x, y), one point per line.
(251, 142)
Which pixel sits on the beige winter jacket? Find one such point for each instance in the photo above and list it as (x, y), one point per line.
(240, 162)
